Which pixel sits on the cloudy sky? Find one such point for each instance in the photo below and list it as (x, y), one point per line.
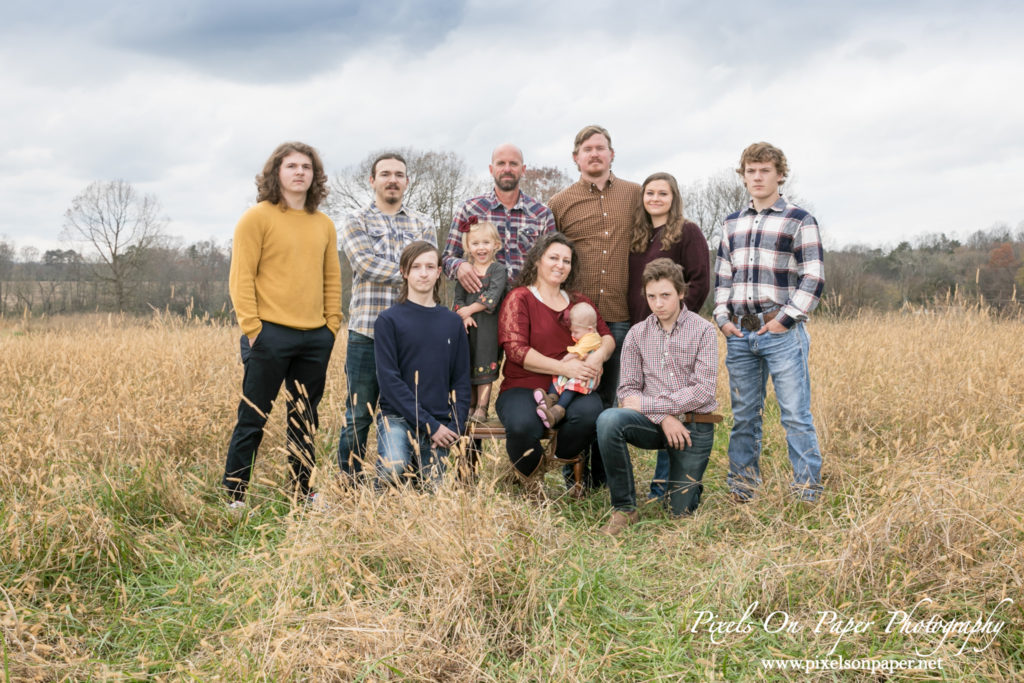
(898, 118)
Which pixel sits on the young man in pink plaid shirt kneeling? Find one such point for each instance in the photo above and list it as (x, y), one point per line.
(667, 396)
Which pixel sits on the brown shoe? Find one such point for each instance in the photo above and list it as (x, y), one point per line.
(620, 519)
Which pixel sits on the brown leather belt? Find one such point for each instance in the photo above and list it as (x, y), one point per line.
(752, 321)
(700, 417)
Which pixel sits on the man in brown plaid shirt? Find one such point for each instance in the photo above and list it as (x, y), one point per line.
(596, 213)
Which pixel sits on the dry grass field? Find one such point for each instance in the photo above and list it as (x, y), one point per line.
(119, 561)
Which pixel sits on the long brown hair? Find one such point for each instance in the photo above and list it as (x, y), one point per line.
(410, 254)
(643, 228)
(528, 275)
(268, 183)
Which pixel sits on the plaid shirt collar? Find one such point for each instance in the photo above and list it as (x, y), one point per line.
(376, 209)
(492, 203)
(778, 207)
(653, 322)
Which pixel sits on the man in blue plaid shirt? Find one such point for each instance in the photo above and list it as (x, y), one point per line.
(768, 279)
(373, 239)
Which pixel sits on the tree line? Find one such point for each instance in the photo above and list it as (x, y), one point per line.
(120, 255)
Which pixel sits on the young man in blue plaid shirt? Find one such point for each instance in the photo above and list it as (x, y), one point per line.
(373, 239)
(768, 278)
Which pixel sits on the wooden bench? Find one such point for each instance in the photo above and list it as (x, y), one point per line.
(478, 431)
(493, 430)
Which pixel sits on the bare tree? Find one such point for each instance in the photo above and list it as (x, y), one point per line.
(118, 224)
(443, 185)
(6, 270)
(207, 266)
(544, 182)
(438, 184)
(350, 188)
(709, 201)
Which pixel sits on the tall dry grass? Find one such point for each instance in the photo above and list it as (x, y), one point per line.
(118, 560)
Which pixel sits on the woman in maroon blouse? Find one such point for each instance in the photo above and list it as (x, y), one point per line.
(660, 231)
(533, 329)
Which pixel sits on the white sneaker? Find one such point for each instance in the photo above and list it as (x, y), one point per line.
(236, 505)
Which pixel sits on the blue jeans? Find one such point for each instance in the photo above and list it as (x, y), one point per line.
(593, 468)
(751, 359)
(617, 428)
(403, 453)
(360, 404)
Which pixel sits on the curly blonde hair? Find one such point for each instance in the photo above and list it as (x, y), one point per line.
(483, 226)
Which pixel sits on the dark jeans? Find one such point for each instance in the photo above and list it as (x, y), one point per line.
(299, 359)
(593, 468)
(659, 482)
(360, 404)
(619, 427)
(517, 411)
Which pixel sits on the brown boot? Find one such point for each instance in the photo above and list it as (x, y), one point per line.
(619, 520)
(550, 416)
(543, 398)
(533, 484)
(545, 404)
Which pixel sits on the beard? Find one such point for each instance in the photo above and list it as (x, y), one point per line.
(506, 183)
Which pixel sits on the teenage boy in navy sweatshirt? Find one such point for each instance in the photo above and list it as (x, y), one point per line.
(422, 358)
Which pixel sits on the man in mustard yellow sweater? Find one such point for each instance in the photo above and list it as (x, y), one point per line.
(285, 286)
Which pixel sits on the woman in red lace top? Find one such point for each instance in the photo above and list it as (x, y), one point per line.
(533, 329)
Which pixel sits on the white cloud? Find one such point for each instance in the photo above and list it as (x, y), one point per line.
(897, 121)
